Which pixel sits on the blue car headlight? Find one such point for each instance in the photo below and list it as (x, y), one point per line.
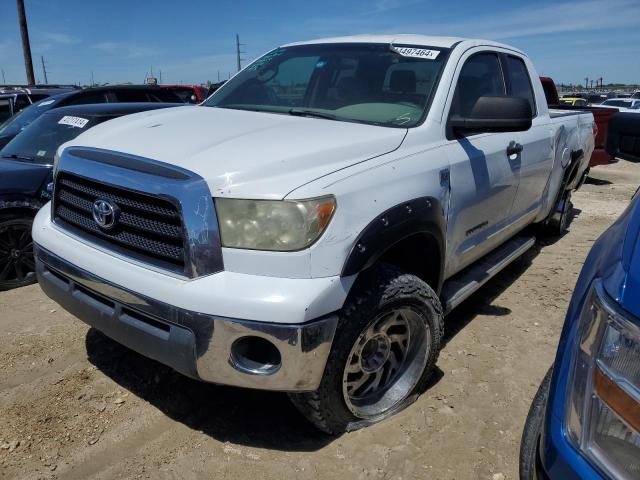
(603, 409)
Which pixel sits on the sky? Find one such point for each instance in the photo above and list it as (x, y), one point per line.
(194, 41)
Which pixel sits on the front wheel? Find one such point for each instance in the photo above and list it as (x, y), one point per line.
(529, 454)
(384, 351)
(17, 267)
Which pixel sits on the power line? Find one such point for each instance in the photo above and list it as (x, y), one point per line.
(44, 71)
(239, 52)
(26, 46)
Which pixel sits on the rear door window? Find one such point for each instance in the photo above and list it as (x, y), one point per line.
(86, 98)
(518, 81)
(131, 96)
(21, 102)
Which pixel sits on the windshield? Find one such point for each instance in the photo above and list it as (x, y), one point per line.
(381, 84)
(38, 143)
(18, 122)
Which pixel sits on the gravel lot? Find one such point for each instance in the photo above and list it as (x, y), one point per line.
(76, 405)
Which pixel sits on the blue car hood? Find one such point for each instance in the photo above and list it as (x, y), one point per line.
(622, 277)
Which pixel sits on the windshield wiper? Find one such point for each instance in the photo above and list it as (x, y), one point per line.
(16, 156)
(300, 112)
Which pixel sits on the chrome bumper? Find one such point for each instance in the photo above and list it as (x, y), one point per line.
(194, 344)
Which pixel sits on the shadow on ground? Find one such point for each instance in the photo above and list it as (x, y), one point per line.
(258, 418)
(241, 416)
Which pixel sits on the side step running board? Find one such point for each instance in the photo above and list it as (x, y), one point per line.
(459, 287)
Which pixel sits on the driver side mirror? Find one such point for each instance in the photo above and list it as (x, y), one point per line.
(494, 114)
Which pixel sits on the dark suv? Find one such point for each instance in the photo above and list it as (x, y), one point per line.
(113, 94)
(26, 165)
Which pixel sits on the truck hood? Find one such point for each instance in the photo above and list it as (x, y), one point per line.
(244, 154)
(622, 277)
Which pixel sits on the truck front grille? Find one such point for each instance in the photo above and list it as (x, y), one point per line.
(148, 227)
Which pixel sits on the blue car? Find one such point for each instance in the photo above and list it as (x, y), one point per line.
(584, 422)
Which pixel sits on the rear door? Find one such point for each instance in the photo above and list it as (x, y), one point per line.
(483, 179)
(536, 159)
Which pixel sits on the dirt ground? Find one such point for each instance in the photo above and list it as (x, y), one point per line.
(76, 405)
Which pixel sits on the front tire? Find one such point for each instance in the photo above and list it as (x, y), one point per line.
(385, 349)
(17, 267)
(532, 430)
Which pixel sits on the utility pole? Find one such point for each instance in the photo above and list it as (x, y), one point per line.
(44, 71)
(26, 47)
(239, 52)
(3, 79)
(586, 83)
(92, 82)
(160, 76)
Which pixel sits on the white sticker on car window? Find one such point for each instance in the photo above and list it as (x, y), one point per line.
(416, 52)
(46, 102)
(73, 121)
(41, 153)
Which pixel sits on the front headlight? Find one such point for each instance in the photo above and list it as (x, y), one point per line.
(603, 410)
(280, 225)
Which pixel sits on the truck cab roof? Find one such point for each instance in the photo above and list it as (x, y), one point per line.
(407, 39)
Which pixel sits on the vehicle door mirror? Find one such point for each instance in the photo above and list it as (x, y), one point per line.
(494, 114)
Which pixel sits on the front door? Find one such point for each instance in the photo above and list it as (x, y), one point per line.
(483, 177)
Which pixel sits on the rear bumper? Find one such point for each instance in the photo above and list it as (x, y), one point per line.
(195, 344)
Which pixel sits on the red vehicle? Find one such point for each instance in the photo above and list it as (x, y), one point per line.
(188, 93)
(600, 115)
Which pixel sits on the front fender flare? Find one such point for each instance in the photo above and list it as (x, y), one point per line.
(422, 215)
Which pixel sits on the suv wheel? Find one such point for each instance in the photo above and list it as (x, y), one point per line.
(384, 351)
(17, 267)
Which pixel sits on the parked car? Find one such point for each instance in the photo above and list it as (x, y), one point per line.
(625, 103)
(601, 115)
(188, 93)
(623, 140)
(309, 236)
(15, 99)
(574, 102)
(584, 422)
(112, 94)
(26, 174)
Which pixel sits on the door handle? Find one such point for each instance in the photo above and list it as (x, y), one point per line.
(514, 148)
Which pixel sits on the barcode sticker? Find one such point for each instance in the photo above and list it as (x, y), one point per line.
(73, 121)
(416, 52)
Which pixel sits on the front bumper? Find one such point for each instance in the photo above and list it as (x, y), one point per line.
(195, 344)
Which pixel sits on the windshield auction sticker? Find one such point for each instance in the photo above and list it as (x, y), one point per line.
(73, 121)
(416, 52)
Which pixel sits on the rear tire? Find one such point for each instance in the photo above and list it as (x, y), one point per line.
(384, 351)
(556, 224)
(17, 267)
(532, 430)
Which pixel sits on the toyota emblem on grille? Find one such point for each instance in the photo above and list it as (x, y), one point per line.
(104, 213)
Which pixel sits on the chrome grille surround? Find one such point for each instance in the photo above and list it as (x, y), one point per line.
(168, 221)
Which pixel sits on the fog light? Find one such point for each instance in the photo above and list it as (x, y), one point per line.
(255, 355)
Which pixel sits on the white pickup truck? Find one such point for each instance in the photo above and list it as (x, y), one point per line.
(307, 227)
